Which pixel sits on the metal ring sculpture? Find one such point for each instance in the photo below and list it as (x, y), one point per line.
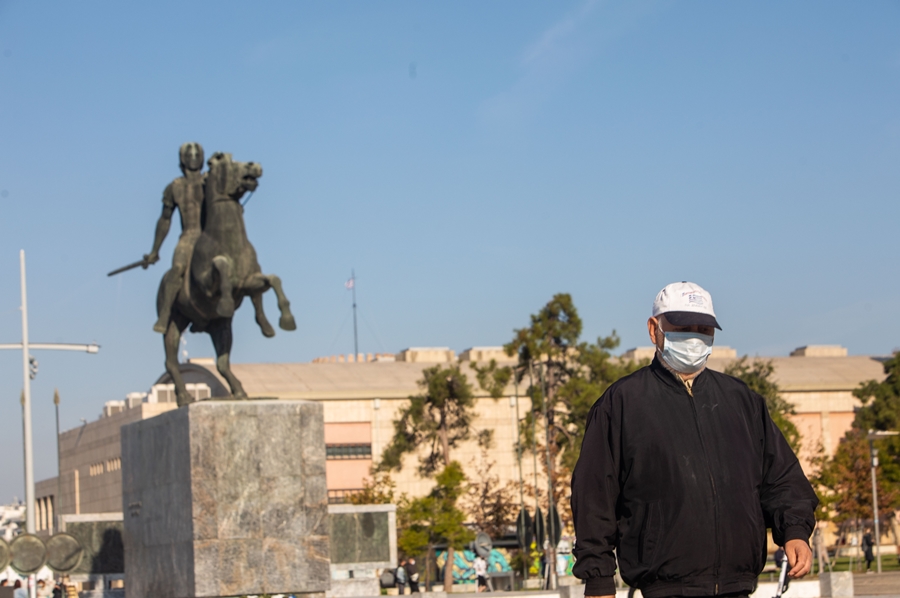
(28, 554)
(64, 553)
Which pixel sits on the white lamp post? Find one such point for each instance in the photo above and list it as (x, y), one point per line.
(873, 435)
(27, 374)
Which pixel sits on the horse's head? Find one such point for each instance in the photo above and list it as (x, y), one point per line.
(231, 179)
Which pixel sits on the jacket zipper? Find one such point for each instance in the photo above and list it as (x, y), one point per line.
(712, 482)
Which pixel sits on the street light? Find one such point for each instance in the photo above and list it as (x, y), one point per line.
(873, 436)
(29, 371)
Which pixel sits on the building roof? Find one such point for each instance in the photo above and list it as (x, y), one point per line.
(798, 374)
(324, 381)
(387, 380)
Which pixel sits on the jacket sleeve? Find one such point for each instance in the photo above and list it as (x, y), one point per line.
(788, 500)
(595, 491)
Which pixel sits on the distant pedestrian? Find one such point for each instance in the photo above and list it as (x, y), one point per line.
(867, 544)
(19, 591)
(401, 577)
(412, 575)
(43, 590)
(480, 566)
(779, 557)
(562, 565)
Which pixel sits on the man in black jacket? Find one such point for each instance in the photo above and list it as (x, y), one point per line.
(682, 470)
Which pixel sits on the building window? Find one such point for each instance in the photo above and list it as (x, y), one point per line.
(114, 464)
(96, 469)
(339, 497)
(44, 519)
(348, 451)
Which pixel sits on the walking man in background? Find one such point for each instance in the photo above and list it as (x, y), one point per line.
(412, 575)
(682, 470)
(400, 576)
(867, 545)
(480, 566)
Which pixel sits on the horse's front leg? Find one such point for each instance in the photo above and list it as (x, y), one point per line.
(259, 283)
(261, 319)
(220, 332)
(172, 339)
(255, 286)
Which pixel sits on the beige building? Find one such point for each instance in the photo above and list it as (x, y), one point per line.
(362, 397)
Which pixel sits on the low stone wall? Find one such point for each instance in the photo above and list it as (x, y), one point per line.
(347, 588)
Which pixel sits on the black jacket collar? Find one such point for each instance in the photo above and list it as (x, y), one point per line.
(668, 377)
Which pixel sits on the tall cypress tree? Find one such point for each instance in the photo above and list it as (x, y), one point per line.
(564, 377)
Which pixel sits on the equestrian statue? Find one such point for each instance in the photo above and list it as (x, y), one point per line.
(214, 265)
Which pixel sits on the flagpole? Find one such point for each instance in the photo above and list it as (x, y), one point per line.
(355, 337)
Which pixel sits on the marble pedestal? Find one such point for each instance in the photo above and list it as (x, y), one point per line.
(226, 498)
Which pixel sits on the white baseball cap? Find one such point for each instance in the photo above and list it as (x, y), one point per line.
(685, 304)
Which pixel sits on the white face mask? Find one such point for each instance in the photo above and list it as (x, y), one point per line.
(686, 352)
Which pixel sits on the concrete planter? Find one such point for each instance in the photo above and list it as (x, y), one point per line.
(836, 585)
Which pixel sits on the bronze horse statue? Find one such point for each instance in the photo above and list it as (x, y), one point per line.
(223, 270)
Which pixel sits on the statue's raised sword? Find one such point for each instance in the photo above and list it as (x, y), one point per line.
(142, 263)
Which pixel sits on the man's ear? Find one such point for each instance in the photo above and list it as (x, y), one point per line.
(653, 329)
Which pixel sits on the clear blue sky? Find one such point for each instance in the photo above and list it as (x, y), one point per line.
(468, 159)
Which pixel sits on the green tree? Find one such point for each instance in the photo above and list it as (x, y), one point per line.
(565, 377)
(436, 420)
(881, 400)
(492, 378)
(757, 375)
(379, 489)
(436, 518)
(845, 482)
(439, 419)
(598, 370)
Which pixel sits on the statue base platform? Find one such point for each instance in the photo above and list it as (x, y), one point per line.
(226, 498)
